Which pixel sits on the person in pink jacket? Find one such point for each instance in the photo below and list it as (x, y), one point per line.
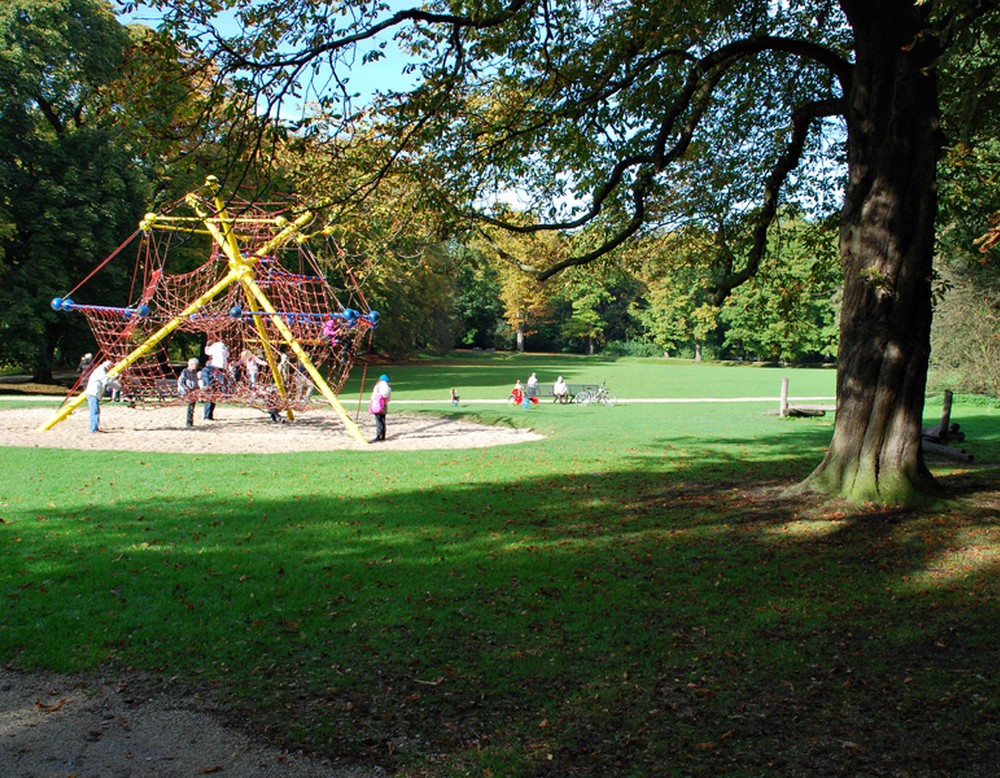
(379, 405)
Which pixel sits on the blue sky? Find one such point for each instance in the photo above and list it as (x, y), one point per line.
(385, 73)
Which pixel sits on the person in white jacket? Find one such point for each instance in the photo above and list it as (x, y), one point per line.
(560, 392)
(214, 375)
(97, 385)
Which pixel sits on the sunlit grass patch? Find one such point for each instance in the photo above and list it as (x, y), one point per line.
(807, 528)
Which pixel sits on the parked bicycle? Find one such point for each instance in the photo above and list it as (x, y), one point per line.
(601, 395)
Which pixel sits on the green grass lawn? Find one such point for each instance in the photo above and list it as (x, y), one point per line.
(631, 596)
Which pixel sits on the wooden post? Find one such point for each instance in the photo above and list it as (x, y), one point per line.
(783, 406)
(944, 429)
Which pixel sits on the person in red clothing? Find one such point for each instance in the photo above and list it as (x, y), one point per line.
(517, 392)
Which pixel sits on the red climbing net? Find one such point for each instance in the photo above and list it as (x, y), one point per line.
(331, 326)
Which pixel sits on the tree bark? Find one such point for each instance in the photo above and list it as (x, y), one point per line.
(886, 245)
(44, 361)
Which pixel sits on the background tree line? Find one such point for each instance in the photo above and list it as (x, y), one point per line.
(100, 122)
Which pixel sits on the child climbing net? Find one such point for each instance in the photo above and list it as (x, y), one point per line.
(261, 292)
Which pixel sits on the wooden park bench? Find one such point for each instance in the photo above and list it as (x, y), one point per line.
(544, 391)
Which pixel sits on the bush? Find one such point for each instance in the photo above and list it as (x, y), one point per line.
(631, 348)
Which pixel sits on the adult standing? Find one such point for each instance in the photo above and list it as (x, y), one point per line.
(97, 384)
(214, 373)
(379, 405)
(532, 385)
(187, 385)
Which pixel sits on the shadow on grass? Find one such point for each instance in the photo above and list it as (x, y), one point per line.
(640, 621)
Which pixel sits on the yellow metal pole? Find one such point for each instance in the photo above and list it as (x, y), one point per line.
(227, 239)
(275, 369)
(317, 378)
(147, 345)
(244, 265)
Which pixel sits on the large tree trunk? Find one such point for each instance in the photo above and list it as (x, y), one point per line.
(45, 358)
(887, 245)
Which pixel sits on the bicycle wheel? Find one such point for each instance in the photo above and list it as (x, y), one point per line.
(510, 400)
(583, 398)
(609, 398)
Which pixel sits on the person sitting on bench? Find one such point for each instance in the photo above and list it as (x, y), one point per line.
(560, 392)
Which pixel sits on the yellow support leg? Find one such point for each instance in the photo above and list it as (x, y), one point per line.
(279, 382)
(293, 344)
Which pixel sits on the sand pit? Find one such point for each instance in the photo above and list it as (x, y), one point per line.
(240, 430)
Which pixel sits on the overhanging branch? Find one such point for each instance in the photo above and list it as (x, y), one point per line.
(307, 55)
(692, 102)
(802, 119)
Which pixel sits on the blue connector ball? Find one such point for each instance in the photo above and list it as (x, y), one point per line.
(56, 303)
(235, 312)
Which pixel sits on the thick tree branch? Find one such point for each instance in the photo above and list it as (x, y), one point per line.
(802, 119)
(307, 55)
(50, 115)
(692, 102)
(674, 134)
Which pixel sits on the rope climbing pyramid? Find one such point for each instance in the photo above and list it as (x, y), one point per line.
(289, 333)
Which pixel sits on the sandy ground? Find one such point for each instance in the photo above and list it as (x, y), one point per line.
(55, 726)
(239, 430)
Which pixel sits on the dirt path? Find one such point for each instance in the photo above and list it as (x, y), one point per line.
(55, 726)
